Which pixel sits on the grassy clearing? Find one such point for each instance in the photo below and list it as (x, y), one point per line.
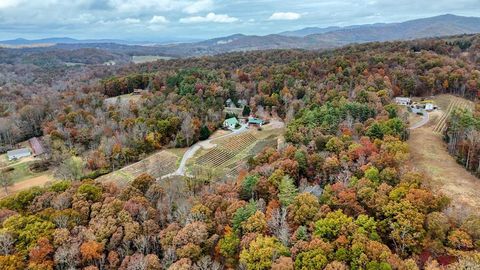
(40, 180)
(122, 100)
(21, 171)
(139, 59)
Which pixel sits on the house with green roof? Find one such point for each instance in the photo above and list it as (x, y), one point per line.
(230, 123)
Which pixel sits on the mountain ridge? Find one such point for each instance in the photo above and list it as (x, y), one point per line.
(306, 38)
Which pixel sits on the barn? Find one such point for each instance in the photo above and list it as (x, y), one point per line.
(36, 146)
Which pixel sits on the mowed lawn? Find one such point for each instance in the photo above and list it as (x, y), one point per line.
(23, 178)
(18, 170)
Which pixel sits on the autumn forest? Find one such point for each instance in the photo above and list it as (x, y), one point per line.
(340, 192)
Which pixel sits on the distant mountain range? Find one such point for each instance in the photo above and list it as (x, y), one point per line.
(67, 40)
(321, 38)
(307, 38)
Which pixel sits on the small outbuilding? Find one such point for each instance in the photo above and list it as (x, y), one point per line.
(231, 123)
(252, 121)
(139, 91)
(429, 107)
(18, 154)
(403, 101)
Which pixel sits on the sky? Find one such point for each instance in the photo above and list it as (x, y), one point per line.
(170, 20)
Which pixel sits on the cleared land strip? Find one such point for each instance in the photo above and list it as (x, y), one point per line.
(429, 154)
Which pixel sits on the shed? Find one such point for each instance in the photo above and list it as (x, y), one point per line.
(18, 153)
(230, 123)
(36, 146)
(429, 107)
(139, 91)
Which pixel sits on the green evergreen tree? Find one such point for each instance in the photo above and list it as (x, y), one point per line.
(246, 111)
(287, 191)
(204, 133)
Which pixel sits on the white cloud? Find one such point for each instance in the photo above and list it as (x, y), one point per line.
(211, 17)
(131, 21)
(9, 3)
(158, 20)
(142, 5)
(121, 22)
(284, 16)
(198, 6)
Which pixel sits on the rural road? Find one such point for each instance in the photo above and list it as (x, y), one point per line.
(182, 169)
(422, 122)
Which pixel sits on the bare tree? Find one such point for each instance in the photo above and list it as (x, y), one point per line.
(6, 243)
(278, 225)
(206, 263)
(187, 128)
(6, 179)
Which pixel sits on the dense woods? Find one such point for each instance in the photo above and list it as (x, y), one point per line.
(339, 194)
(463, 138)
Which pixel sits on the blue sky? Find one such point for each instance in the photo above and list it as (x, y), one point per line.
(157, 20)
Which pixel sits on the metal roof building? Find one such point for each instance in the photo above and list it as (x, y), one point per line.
(18, 153)
(230, 123)
(36, 146)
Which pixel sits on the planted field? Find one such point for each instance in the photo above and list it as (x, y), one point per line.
(238, 143)
(226, 149)
(216, 157)
(454, 103)
(157, 165)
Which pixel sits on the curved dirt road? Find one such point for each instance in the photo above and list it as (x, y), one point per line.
(32, 182)
(421, 123)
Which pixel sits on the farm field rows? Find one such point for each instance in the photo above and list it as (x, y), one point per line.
(156, 165)
(230, 155)
(454, 103)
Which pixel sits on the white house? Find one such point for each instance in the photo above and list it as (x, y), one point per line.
(429, 107)
(403, 101)
(230, 123)
(18, 153)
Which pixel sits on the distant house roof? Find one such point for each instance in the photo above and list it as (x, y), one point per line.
(18, 153)
(36, 146)
(242, 102)
(231, 121)
(256, 121)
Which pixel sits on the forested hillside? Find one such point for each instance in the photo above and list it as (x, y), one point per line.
(340, 194)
